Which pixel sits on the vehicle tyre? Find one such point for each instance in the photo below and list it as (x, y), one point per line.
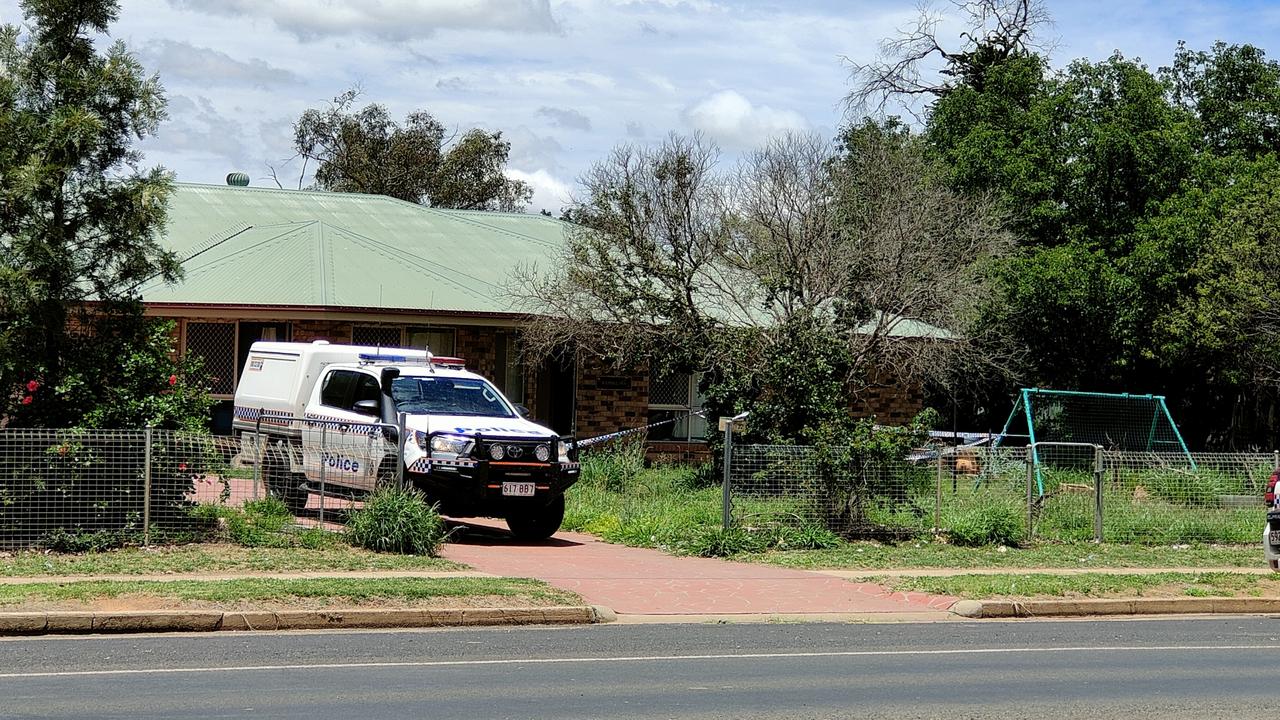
(536, 522)
(283, 484)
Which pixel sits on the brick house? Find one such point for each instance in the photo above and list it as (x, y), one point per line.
(372, 270)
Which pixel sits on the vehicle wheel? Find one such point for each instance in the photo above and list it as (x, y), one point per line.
(536, 522)
(283, 484)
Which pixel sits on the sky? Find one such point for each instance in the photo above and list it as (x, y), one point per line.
(566, 80)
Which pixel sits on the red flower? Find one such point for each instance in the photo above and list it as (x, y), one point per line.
(173, 379)
(32, 386)
(26, 400)
(182, 466)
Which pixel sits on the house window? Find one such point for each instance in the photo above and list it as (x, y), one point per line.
(391, 336)
(440, 341)
(675, 395)
(215, 344)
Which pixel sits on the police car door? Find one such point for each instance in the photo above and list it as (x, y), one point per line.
(341, 435)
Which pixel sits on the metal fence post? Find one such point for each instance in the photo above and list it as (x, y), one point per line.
(724, 490)
(146, 486)
(324, 432)
(1031, 480)
(937, 499)
(262, 450)
(1097, 493)
(1275, 459)
(400, 430)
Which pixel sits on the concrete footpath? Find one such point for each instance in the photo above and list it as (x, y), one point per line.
(640, 584)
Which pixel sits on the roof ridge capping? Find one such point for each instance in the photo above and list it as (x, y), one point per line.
(378, 196)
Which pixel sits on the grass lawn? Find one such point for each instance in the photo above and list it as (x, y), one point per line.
(273, 594)
(876, 556)
(671, 509)
(1091, 585)
(212, 558)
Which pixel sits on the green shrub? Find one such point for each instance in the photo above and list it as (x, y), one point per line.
(807, 537)
(268, 507)
(988, 524)
(67, 541)
(718, 542)
(260, 523)
(397, 520)
(317, 539)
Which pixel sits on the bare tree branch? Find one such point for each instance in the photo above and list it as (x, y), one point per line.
(917, 62)
(675, 261)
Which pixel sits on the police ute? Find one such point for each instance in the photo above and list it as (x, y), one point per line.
(325, 418)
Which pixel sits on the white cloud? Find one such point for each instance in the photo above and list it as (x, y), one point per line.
(531, 150)
(566, 118)
(197, 129)
(549, 192)
(205, 66)
(730, 119)
(397, 20)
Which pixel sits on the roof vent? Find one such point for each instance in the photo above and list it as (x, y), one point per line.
(237, 179)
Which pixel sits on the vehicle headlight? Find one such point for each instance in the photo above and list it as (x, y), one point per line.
(564, 451)
(542, 453)
(497, 452)
(450, 444)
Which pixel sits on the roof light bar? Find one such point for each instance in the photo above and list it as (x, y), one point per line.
(429, 360)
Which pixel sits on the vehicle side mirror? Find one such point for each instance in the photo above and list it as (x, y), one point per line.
(388, 375)
(367, 407)
(522, 411)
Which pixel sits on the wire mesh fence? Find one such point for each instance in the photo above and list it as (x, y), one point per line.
(838, 490)
(1061, 492)
(1173, 498)
(60, 488)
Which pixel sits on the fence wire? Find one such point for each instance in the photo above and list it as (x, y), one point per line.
(839, 491)
(1145, 498)
(59, 488)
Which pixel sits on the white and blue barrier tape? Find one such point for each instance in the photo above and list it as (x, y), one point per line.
(588, 442)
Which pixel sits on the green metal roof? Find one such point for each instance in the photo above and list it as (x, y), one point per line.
(256, 246)
(244, 246)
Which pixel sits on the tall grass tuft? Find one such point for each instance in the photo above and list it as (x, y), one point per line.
(398, 520)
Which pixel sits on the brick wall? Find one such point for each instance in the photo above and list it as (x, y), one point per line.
(333, 331)
(890, 402)
(478, 346)
(677, 453)
(609, 399)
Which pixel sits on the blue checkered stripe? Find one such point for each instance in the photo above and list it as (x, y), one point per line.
(339, 424)
(268, 417)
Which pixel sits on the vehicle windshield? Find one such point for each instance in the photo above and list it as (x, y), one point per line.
(448, 396)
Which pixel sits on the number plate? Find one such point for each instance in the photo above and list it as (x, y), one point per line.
(518, 489)
(1274, 537)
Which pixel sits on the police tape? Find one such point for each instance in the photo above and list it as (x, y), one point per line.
(624, 433)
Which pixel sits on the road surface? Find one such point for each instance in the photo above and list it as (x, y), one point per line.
(1216, 667)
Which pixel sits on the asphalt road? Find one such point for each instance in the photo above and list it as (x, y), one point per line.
(1217, 667)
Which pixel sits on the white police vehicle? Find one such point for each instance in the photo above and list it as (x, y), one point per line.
(327, 415)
